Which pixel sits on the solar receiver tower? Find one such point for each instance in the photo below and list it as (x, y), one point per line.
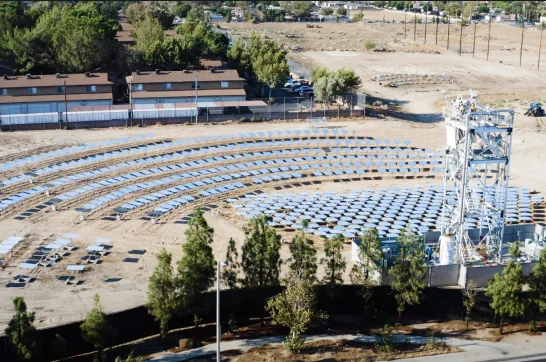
(476, 166)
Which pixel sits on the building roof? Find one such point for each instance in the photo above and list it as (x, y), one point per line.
(168, 33)
(49, 80)
(207, 63)
(180, 77)
(124, 37)
(126, 26)
(189, 93)
(55, 98)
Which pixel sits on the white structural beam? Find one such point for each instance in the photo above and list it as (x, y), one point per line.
(477, 164)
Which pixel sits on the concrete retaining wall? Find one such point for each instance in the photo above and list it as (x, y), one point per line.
(443, 275)
(480, 275)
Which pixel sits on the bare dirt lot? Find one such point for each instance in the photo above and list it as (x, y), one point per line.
(121, 280)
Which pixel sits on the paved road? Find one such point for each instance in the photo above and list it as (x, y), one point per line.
(474, 351)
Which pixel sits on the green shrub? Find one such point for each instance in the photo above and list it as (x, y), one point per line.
(369, 45)
(357, 18)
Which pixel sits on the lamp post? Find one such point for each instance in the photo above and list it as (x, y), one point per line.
(219, 265)
(196, 104)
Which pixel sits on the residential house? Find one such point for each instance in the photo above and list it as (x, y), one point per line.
(124, 35)
(212, 85)
(50, 93)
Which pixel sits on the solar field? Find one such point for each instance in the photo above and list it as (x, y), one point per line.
(86, 213)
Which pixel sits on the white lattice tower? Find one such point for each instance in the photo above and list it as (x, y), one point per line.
(477, 165)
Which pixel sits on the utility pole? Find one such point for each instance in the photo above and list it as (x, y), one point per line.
(437, 24)
(541, 31)
(522, 31)
(426, 21)
(461, 35)
(415, 27)
(405, 23)
(65, 104)
(218, 331)
(489, 36)
(448, 26)
(196, 104)
(474, 42)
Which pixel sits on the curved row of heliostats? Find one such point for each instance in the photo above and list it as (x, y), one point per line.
(70, 150)
(259, 171)
(388, 210)
(369, 161)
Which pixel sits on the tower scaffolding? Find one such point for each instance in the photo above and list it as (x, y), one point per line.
(477, 167)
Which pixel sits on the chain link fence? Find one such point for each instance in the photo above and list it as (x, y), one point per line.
(285, 108)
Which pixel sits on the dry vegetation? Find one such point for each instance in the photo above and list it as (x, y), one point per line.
(341, 350)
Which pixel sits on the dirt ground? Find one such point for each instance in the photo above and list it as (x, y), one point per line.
(121, 280)
(331, 351)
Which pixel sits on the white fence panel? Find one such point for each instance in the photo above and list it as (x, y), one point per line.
(163, 113)
(30, 118)
(96, 115)
(317, 121)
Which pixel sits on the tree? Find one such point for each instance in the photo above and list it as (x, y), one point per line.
(153, 9)
(159, 11)
(270, 65)
(209, 44)
(181, 10)
(301, 9)
(328, 88)
(349, 80)
(261, 260)
(334, 263)
(367, 271)
(514, 250)
(67, 38)
(357, 18)
(130, 358)
(408, 271)
(231, 270)
(295, 308)
(147, 32)
(341, 11)
(537, 281)
(507, 294)
(326, 11)
(483, 8)
(95, 329)
(21, 333)
(196, 268)
(162, 292)
(469, 299)
(239, 56)
(197, 13)
(135, 13)
(318, 72)
(303, 262)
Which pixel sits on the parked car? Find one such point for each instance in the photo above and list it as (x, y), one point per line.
(294, 85)
(307, 94)
(305, 89)
(299, 87)
(289, 82)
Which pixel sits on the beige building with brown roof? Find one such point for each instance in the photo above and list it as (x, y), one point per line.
(185, 86)
(50, 93)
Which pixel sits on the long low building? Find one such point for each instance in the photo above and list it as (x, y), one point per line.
(51, 93)
(185, 86)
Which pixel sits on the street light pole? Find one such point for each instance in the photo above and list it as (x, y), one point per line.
(196, 104)
(219, 265)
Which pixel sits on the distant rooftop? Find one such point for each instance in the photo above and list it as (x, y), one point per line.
(51, 80)
(181, 76)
